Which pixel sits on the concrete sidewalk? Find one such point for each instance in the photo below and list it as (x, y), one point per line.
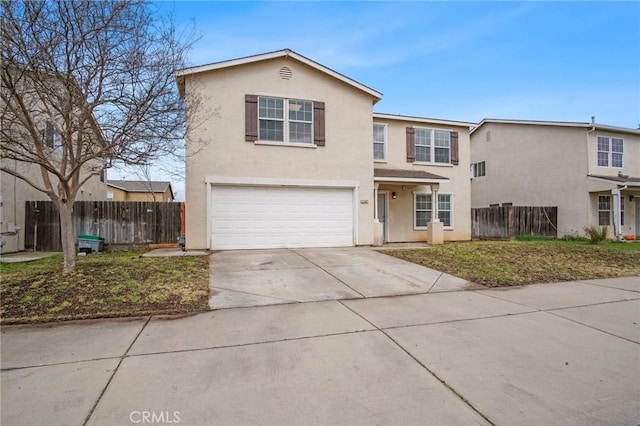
(558, 354)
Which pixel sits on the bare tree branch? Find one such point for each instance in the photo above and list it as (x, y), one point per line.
(83, 85)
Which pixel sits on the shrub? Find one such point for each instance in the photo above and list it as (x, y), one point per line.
(596, 235)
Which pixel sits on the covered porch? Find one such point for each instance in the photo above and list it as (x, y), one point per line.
(404, 207)
(615, 202)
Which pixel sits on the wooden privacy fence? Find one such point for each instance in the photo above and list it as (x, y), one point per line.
(511, 221)
(127, 223)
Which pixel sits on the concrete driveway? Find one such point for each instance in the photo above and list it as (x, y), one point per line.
(245, 278)
(557, 354)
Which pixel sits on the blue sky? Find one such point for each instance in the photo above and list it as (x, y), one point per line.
(563, 61)
(453, 60)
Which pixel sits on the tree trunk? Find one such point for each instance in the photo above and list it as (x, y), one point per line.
(67, 237)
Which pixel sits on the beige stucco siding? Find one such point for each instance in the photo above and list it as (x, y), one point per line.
(538, 165)
(533, 166)
(222, 151)
(401, 209)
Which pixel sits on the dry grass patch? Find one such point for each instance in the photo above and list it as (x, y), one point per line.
(103, 285)
(508, 263)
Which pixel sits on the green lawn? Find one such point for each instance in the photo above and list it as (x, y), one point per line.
(508, 263)
(103, 285)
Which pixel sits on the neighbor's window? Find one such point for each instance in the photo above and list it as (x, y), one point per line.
(285, 120)
(604, 210)
(424, 209)
(610, 151)
(478, 169)
(433, 146)
(379, 142)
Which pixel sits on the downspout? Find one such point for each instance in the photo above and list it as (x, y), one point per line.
(588, 203)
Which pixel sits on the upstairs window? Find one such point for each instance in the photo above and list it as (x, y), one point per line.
(380, 142)
(285, 120)
(610, 151)
(433, 146)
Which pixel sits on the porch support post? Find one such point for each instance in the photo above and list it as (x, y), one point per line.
(434, 204)
(378, 231)
(375, 200)
(615, 200)
(435, 228)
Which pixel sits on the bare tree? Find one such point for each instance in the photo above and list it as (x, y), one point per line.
(85, 84)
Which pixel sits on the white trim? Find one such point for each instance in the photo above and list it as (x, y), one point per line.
(593, 126)
(208, 212)
(408, 118)
(254, 181)
(425, 163)
(289, 144)
(386, 143)
(609, 152)
(409, 180)
(286, 53)
(613, 182)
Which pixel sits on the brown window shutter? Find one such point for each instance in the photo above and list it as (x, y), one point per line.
(318, 123)
(250, 118)
(411, 144)
(454, 149)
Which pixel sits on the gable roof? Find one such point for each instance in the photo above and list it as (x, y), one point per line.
(141, 186)
(584, 125)
(284, 53)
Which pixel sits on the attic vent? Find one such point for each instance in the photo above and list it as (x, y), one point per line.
(286, 73)
(488, 135)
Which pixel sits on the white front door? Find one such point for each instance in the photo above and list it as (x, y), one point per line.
(256, 217)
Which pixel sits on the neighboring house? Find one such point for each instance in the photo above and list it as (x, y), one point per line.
(139, 190)
(590, 171)
(285, 158)
(14, 192)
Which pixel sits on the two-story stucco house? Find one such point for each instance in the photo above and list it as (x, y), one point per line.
(288, 153)
(590, 171)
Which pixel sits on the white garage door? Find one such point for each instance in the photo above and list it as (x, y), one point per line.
(273, 217)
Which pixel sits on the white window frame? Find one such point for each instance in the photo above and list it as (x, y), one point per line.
(609, 152)
(432, 146)
(286, 128)
(384, 143)
(429, 194)
(478, 169)
(608, 211)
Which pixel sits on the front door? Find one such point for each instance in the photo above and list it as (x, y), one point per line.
(382, 214)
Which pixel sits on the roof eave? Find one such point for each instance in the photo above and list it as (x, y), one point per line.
(180, 74)
(409, 180)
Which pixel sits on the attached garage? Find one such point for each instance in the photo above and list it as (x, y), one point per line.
(256, 217)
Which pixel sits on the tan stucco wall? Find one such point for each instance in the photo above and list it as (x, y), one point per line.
(16, 192)
(535, 165)
(223, 151)
(120, 195)
(401, 210)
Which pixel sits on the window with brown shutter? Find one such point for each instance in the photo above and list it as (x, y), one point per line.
(318, 123)
(251, 118)
(454, 149)
(411, 145)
